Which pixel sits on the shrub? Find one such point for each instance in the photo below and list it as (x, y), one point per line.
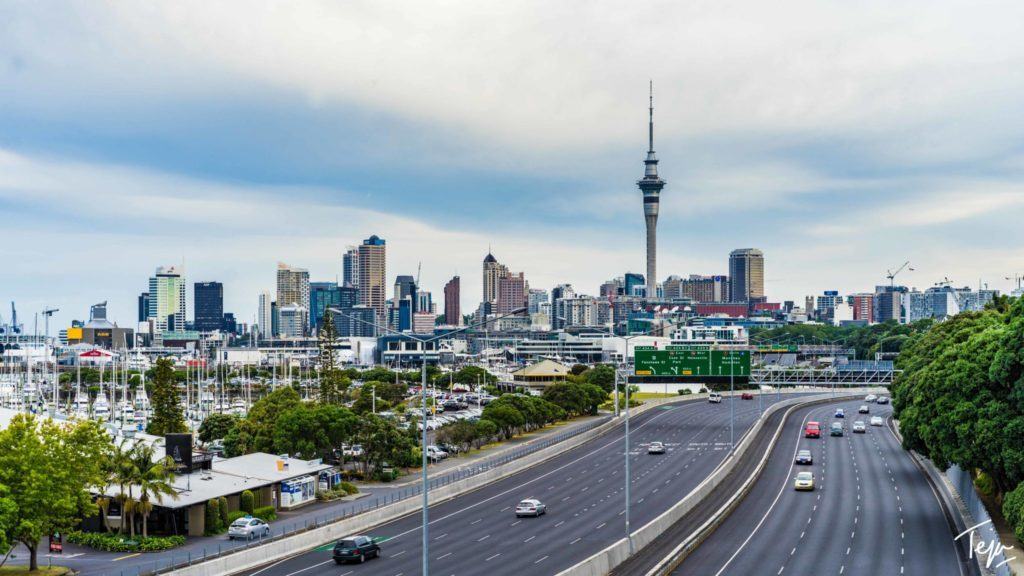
(232, 516)
(247, 501)
(985, 484)
(222, 507)
(349, 488)
(683, 391)
(120, 543)
(265, 513)
(1013, 510)
(213, 523)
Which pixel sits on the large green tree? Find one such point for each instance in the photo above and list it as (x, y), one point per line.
(255, 432)
(333, 383)
(216, 426)
(167, 415)
(46, 470)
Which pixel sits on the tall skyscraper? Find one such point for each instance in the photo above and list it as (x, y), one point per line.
(208, 298)
(512, 291)
(452, 306)
(631, 281)
(324, 295)
(372, 269)
(746, 274)
(350, 267)
(405, 287)
(167, 300)
(493, 272)
(424, 301)
(265, 315)
(651, 185)
(143, 306)
(293, 290)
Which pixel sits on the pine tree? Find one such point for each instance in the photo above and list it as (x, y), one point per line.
(167, 415)
(329, 389)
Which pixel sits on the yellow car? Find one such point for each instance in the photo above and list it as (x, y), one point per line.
(804, 481)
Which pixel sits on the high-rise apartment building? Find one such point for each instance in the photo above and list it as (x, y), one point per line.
(265, 315)
(535, 299)
(424, 302)
(167, 300)
(350, 267)
(746, 274)
(562, 291)
(493, 272)
(633, 284)
(372, 269)
(208, 299)
(293, 319)
(405, 287)
(888, 303)
(863, 307)
(452, 305)
(704, 288)
(511, 293)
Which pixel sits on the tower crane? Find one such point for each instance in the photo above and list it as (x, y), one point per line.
(945, 282)
(892, 275)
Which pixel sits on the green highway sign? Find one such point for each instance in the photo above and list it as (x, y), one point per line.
(691, 361)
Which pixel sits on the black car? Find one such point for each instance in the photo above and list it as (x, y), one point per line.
(355, 549)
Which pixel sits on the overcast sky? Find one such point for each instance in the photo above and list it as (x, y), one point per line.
(842, 138)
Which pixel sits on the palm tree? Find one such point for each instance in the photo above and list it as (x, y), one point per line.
(154, 479)
(119, 469)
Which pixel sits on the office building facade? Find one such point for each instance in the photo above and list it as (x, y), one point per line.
(746, 275)
(372, 270)
(167, 305)
(452, 304)
(208, 298)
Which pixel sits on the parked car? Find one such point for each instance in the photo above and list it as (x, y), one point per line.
(812, 430)
(859, 428)
(353, 451)
(804, 457)
(715, 398)
(876, 421)
(436, 454)
(248, 528)
(836, 430)
(804, 481)
(746, 396)
(355, 549)
(656, 448)
(530, 507)
(840, 413)
(864, 409)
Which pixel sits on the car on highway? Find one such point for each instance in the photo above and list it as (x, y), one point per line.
(656, 448)
(859, 428)
(876, 421)
(883, 400)
(715, 398)
(812, 430)
(870, 398)
(746, 396)
(355, 549)
(248, 528)
(804, 457)
(804, 481)
(840, 413)
(864, 409)
(530, 507)
(836, 429)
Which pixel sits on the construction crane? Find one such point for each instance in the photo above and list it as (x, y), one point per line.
(945, 282)
(892, 275)
(1016, 278)
(419, 268)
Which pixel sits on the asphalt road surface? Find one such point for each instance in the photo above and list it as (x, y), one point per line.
(478, 533)
(872, 511)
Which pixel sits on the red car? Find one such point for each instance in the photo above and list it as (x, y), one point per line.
(812, 430)
(746, 396)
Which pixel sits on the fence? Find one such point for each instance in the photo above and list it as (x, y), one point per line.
(173, 560)
(963, 483)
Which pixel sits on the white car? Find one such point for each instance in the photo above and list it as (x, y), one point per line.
(859, 428)
(530, 507)
(248, 528)
(436, 454)
(656, 448)
(870, 398)
(715, 398)
(353, 451)
(876, 421)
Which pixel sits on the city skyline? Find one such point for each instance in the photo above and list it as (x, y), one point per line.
(837, 172)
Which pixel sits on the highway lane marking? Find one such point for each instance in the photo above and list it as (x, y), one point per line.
(560, 523)
(393, 555)
(541, 560)
(441, 536)
(489, 558)
(476, 521)
(516, 522)
(528, 539)
(128, 556)
(603, 524)
(575, 541)
(484, 538)
(297, 571)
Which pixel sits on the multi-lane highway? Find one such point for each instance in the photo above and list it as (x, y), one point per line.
(478, 532)
(872, 512)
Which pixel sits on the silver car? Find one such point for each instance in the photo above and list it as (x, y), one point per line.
(248, 528)
(530, 507)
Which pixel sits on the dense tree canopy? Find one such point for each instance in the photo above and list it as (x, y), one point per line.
(167, 414)
(865, 340)
(960, 397)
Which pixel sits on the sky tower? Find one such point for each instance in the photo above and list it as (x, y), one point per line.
(650, 185)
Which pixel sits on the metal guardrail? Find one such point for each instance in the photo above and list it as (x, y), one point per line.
(173, 560)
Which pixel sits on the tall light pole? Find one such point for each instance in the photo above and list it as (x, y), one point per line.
(423, 401)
